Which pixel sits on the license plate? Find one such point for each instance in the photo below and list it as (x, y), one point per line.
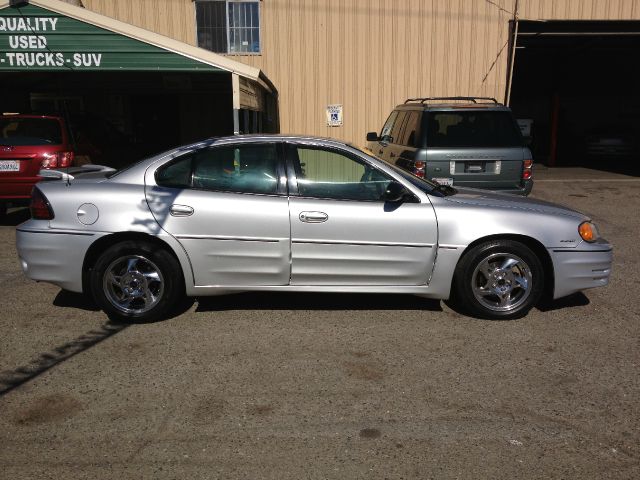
(9, 166)
(443, 181)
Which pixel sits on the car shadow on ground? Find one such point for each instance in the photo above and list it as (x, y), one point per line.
(14, 217)
(576, 300)
(81, 301)
(315, 301)
(64, 298)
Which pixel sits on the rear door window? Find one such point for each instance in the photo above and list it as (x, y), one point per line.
(30, 131)
(397, 128)
(488, 129)
(234, 168)
(410, 131)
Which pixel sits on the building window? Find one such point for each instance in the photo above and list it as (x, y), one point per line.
(228, 26)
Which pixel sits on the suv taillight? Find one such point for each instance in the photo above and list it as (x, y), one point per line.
(39, 206)
(418, 169)
(527, 169)
(57, 160)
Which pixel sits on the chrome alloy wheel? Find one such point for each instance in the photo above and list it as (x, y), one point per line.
(133, 284)
(502, 282)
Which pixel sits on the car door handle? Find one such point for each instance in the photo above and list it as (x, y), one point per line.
(181, 210)
(380, 152)
(313, 217)
(392, 155)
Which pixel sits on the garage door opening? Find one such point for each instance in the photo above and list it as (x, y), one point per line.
(576, 82)
(118, 118)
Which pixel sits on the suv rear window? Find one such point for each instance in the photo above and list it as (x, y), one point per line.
(30, 131)
(473, 129)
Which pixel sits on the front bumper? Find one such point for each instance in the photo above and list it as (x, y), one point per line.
(579, 269)
(53, 256)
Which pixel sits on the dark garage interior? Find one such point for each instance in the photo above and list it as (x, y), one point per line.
(119, 117)
(577, 81)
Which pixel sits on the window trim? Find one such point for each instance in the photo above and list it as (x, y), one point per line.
(281, 188)
(293, 178)
(228, 28)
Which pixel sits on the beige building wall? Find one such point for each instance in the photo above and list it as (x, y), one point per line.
(370, 55)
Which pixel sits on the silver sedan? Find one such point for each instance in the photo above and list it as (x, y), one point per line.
(298, 214)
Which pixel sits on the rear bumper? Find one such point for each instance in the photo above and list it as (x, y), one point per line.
(524, 189)
(577, 270)
(52, 256)
(17, 188)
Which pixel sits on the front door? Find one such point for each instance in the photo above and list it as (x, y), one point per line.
(228, 208)
(343, 233)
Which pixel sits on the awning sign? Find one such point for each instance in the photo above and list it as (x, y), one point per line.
(334, 115)
(34, 38)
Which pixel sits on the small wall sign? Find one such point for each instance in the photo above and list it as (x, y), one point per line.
(334, 115)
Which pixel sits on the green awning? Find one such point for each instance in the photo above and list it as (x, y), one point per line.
(37, 39)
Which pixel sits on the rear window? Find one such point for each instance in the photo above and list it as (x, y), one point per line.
(30, 131)
(473, 129)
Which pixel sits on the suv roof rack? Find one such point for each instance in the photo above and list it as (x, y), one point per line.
(468, 99)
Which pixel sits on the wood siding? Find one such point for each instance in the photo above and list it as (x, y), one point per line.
(370, 55)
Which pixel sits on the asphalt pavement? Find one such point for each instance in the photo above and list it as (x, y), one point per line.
(330, 386)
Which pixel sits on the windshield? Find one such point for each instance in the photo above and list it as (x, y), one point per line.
(488, 129)
(30, 131)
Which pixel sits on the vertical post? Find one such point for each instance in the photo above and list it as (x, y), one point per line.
(235, 88)
(555, 117)
(512, 56)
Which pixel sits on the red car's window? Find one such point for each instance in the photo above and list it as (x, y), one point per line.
(30, 131)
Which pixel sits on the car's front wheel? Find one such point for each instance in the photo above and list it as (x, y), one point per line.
(500, 279)
(137, 281)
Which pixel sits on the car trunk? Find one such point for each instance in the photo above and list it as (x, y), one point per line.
(475, 147)
(493, 168)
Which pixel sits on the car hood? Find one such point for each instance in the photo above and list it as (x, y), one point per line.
(484, 198)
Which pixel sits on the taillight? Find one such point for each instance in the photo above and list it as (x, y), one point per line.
(418, 169)
(65, 159)
(39, 206)
(57, 160)
(527, 169)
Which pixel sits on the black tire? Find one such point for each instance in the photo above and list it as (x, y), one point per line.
(3, 209)
(501, 279)
(137, 281)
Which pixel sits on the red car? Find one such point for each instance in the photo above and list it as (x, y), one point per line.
(29, 143)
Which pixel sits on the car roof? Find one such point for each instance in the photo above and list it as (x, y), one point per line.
(138, 168)
(452, 103)
(449, 106)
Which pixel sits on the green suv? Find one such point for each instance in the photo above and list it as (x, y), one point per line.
(458, 141)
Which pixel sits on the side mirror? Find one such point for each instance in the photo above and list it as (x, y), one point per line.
(395, 192)
(372, 137)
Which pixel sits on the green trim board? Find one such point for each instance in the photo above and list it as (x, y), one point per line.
(34, 38)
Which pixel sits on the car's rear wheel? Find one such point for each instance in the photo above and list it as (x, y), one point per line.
(500, 279)
(137, 281)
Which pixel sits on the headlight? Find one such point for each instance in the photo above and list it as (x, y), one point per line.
(588, 232)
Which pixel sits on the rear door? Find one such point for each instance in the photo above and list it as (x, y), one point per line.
(343, 233)
(227, 205)
(474, 148)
